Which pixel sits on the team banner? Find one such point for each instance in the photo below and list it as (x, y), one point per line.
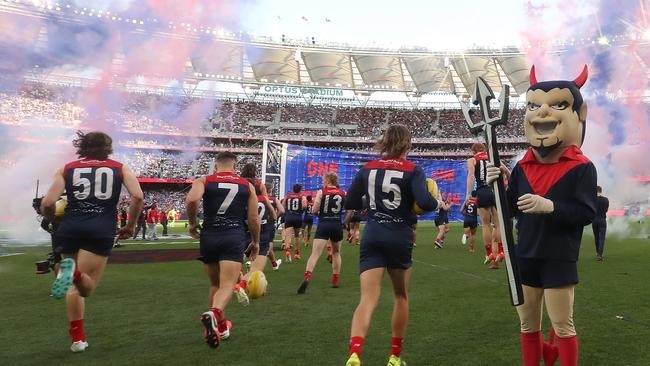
(286, 164)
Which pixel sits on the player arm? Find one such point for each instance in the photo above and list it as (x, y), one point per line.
(135, 191)
(317, 202)
(280, 207)
(304, 203)
(253, 216)
(48, 204)
(420, 191)
(192, 201)
(581, 210)
(470, 177)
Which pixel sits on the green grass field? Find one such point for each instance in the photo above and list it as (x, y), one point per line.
(147, 314)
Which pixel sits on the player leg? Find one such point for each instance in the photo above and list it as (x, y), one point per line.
(497, 244)
(87, 273)
(296, 242)
(439, 236)
(316, 251)
(486, 230)
(287, 232)
(400, 279)
(559, 304)
(370, 290)
(530, 319)
(224, 275)
(336, 262)
(472, 237)
(357, 233)
(309, 226)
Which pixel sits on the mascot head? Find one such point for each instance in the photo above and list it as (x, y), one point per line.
(555, 113)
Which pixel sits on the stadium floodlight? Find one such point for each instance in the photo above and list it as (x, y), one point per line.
(646, 34)
(603, 41)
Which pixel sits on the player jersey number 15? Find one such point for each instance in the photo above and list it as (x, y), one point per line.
(387, 186)
(98, 182)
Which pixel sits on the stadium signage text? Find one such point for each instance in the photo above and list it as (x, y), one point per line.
(320, 168)
(298, 91)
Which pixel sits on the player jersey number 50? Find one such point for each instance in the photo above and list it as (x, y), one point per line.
(387, 186)
(99, 182)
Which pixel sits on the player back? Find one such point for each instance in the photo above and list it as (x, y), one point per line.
(93, 191)
(225, 202)
(332, 203)
(294, 209)
(391, 186)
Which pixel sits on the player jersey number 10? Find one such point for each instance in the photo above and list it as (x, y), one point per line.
(101, 178)
(387, 186)
(294, 204)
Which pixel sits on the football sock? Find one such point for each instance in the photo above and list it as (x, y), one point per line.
(243, 283)
(296, 252)
(356, 344)
(500, 247)
(396, 348)
(77, 330)
(308, 276)
(335, 279)
(488, 249)
(274, 263)
(76, 276)
(287, 252)
(531, 348)
(222, 325)
(568, 348)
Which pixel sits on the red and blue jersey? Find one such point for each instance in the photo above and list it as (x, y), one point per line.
(391, 187)
(294, 204)
(331, 204)
(225, 201)
(93, 191)
(261, 202)
(480, 169)
(571, 185)
(470, 209)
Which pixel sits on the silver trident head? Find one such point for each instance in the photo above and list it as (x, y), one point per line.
(482, 96)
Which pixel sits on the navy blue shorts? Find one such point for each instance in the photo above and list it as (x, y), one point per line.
(329, 230)
(547, 273)
(470, 222)
(71, 245)
(356, 217)
(265, 235)
(294, 221)
(385, 247)
(485, 197)
(227, 245)
(308, 220)
(441, 220)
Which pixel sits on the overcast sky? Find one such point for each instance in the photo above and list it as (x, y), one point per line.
(439, 25)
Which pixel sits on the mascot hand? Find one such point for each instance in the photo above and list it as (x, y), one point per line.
(532, 203)
(493, 173)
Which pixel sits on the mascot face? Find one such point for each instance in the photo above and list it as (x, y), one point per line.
(555, 114)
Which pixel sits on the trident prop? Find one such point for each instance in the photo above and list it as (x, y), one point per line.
(483, 96)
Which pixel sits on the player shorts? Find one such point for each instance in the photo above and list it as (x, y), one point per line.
(470, 223)
(547, 273)
(442, 220)
(294, 221)
(329, 230)
(356, 217)
(384, 246)
(485, 197)
(308, 220)
(223, 245)
(71, 245)
(281, 219)
(266, 239)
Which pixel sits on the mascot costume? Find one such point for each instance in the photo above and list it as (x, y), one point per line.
(552, 193)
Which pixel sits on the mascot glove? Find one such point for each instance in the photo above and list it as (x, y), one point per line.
(534, 204)
(493, 173)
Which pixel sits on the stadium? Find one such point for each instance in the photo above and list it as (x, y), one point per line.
(178, 86)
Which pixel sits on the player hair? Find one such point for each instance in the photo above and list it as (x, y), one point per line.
(477, 147)
(309, 198)
(225, 157)
(268, 187)
(93, 145)
(249, 170)
(395, 142)
(599, 189)
(297, 188)
(332, 178)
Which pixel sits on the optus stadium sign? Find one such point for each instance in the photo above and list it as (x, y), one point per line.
(300, 91)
